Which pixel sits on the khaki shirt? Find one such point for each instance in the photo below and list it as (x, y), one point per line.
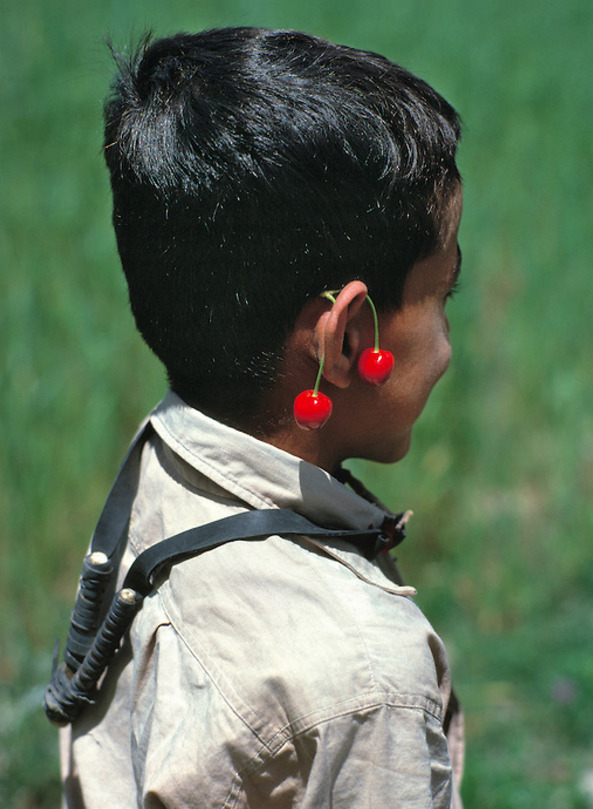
(263, 674)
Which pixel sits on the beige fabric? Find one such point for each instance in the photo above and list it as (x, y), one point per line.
(264, 674)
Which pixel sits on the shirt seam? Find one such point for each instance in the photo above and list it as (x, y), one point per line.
(379, 695)
(287, 731)
(367, 703)
(212, 678)
(215, 676)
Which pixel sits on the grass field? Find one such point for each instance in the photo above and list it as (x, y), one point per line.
(501, 472)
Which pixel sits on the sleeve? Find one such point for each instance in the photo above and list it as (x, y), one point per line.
(385, 757)
(193, 754)
(198, 742)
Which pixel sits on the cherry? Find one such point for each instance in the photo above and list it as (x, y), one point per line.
(375, 365)
(311, 410)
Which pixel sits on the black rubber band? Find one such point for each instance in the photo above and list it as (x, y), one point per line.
(249, 525)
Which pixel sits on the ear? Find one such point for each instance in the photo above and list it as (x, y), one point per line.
(337, 337)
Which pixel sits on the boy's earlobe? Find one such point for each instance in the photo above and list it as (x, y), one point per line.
(337, 336)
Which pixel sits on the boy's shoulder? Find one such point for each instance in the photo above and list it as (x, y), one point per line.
(289, 631)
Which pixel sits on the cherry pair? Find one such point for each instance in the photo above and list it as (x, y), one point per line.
(312, 408)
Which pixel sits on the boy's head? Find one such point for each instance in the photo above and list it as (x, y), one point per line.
(253, 169)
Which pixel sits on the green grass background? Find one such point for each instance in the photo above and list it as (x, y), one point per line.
(500, 475)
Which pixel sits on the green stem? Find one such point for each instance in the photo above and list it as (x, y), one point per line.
(319, 373)
(374, 311)
(329, 294)
(330, 297)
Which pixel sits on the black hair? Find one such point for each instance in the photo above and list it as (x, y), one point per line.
(252, 169)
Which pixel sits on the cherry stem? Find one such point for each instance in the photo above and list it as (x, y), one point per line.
(329, 294)
(374, 311)
(330, 297)
(319, 373)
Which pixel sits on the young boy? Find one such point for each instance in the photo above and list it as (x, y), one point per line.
(252, 172)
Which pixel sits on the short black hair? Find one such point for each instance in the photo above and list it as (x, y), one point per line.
(251, 169)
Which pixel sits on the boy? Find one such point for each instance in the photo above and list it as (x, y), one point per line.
(268, 188)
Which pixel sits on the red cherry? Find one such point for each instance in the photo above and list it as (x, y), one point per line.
(311, 410)
(375, 365)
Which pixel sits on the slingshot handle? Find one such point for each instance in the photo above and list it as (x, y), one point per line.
(68, 692)
(87, 613)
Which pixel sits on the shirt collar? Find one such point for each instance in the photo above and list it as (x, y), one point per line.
(260, 474)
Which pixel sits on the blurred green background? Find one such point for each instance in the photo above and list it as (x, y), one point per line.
(501, 471)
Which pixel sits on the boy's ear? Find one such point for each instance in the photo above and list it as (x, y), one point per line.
(337, 336)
